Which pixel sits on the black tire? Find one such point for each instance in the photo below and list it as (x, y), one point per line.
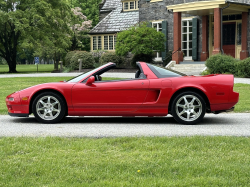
(49, 107)
(188, 108)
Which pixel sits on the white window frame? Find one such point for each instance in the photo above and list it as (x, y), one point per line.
(158, 54)
(188, 39)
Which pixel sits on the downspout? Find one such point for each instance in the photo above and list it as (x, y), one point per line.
(221, 27)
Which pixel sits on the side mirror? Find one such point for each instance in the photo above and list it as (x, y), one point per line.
(90, 80)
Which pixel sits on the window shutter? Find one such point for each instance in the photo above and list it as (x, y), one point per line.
(165, 32)
(195, 39)
(149, 24)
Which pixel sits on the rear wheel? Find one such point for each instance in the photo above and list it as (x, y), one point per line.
(188, 108)
(49, 107)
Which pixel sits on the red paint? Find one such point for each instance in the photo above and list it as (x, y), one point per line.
(131, 97)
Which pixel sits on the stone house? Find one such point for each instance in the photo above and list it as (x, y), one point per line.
(194, 29)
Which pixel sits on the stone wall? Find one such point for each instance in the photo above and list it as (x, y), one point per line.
(158, 11)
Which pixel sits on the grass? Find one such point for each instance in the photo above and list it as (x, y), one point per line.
(10, 85)
(157, 161)
(244, 102)
(31, 68)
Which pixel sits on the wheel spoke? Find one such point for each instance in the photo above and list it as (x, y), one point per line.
(39, 109)
(56, 110)
(197, 106)
(48, 100)
(41, 101)
(53, 104)
(192, 102)
(188, 115)
(182, 112)
(182, 106)
(185, 99)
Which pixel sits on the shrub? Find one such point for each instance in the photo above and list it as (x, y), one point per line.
(243, 68)
(142, 58)
(68, 57)
(86, 57)
(97, 55)
(111, 57)
(221, 64)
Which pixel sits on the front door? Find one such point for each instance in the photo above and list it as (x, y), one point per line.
(109, 96)
(229, 38)
(187, 39)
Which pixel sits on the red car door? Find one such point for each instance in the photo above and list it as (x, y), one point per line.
(109, 96)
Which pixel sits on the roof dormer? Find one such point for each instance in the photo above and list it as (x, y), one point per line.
(130, 5)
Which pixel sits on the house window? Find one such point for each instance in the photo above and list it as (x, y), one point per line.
(157, 26)
(106, 42)
(130, 5)
(125, 6)
(94, 43)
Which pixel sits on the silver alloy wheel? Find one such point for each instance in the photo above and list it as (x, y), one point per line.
(188, 108)
(48, 108)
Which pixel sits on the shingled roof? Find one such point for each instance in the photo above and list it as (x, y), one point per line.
(116, 20)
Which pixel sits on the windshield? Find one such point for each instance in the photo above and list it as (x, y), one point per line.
(85, 75)
(161, 72)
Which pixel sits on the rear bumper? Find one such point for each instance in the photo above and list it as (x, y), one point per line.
(220, 111)
(18, 115)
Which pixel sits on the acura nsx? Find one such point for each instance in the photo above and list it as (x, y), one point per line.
(153, 91)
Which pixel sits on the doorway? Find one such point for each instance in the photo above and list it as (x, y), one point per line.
(229, 29)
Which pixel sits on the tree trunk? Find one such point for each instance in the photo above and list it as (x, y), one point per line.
(55, 63)
(12, 66)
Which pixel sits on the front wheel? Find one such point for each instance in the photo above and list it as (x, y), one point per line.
(49, 107)
(188, 108)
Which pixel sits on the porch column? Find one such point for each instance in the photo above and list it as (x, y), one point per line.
(217, 31)
(204, 52)
(244, 52)
(178, 54)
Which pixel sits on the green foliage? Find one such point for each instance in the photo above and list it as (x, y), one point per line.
(221, 64)
(86, 57)
(142, 58)
(90, 8)
(227, 65)
(243, 68)
(139, 39)
(111, 57)
(97, 55)
(33, 24)
(143, 162)
(68, 57)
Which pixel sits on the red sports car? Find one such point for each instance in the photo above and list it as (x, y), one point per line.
(154, 91)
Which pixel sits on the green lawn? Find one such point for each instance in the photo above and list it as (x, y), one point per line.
(31, 68)
(10, 85)
(156, 161)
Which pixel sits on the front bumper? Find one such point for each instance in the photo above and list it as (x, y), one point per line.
(18, 115)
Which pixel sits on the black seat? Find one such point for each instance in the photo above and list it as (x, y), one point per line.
(137, 74)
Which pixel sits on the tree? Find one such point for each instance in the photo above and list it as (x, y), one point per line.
(79, 30)
(33, 24)
(90, 8)
(140, 40)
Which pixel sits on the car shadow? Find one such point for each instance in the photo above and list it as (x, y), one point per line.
(169, 120)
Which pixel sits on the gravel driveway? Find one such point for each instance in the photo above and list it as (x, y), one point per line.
(232, 124)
